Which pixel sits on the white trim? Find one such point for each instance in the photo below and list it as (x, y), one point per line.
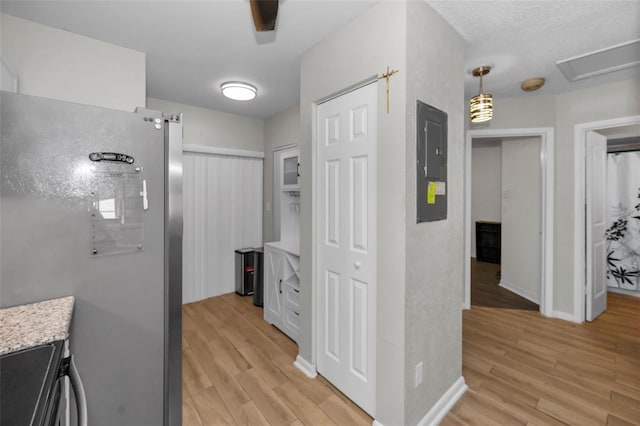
(579, 236)
(547, 155)
(520, 291)
(306, 367)
(352, 88)
(444, 404)
(565, 316)
(282, 147)
(231, 152)
(624, 291)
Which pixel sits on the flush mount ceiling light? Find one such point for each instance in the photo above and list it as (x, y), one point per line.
(481, 105)
(532, 84)
(238, 91)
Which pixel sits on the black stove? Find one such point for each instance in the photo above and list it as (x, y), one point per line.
(29, 385)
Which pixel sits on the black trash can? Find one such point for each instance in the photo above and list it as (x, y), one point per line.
(244, 271)
(258, 284)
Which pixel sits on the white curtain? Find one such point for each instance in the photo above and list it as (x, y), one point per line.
(222, 204)
(623, 232)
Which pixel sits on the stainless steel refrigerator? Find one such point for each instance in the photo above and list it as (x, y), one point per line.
(91, 206)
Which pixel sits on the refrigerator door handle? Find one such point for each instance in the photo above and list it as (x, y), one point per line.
(78, 390)
(143, 194)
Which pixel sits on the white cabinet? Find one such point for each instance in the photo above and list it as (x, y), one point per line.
(282, 289)
(290, 170)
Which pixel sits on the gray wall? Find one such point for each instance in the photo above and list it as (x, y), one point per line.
(365, 47)
(279, 130)
(208, 127)
(434, 250)
(419, 266)
(58, 64)
(563, 112)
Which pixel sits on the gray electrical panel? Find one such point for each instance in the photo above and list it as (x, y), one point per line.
(431, 170)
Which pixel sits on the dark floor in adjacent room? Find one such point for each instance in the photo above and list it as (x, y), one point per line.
(485, 290)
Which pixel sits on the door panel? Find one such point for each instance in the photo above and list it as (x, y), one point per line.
(273, 277)
(596, 170)
(359, 323)
(333, 203)
(359, 198)
(347, 254)
(332, 315)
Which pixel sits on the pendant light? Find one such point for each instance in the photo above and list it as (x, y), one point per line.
(481, 105)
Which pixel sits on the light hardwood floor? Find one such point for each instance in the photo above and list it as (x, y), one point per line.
(524, 369)
(237, 369)
(521, 368)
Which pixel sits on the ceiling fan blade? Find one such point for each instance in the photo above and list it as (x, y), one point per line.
(264, 14)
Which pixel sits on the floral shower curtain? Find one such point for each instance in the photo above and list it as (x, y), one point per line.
(623, 234)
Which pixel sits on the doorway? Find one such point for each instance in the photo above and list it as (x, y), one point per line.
(589, 266)
(506, 223)
(546, 150)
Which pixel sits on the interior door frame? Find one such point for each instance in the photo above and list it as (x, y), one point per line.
(547, 155)
(579, 220)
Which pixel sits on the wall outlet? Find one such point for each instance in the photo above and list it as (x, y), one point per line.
(418, 375)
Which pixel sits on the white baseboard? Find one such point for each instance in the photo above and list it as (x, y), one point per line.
(632, 293)
(565, 316)
(442, 407)
(444, 404)
(306, 367)
(519, 291)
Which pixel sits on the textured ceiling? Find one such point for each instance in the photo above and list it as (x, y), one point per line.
(193, 46)
(522, 39)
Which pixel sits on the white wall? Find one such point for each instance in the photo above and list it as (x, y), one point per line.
(486, 184)
(521, 217)
(58, 64)
(280, 130)
(213, 128)
(563, 112)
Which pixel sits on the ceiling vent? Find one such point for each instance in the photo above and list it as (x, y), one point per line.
(615, 58)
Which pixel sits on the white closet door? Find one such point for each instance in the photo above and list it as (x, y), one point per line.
(346, 244)
(222, 212)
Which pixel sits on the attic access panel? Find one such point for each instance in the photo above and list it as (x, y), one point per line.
(431, 164)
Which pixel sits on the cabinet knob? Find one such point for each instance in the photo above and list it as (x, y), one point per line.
(357, 264)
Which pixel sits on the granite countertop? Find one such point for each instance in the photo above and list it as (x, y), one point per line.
(26, 326)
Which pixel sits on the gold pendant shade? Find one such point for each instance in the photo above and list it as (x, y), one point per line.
(481, 105)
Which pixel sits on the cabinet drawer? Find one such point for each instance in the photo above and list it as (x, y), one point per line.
(292, 320)
(292, 297)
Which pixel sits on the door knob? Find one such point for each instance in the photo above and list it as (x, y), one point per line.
(357, 265)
